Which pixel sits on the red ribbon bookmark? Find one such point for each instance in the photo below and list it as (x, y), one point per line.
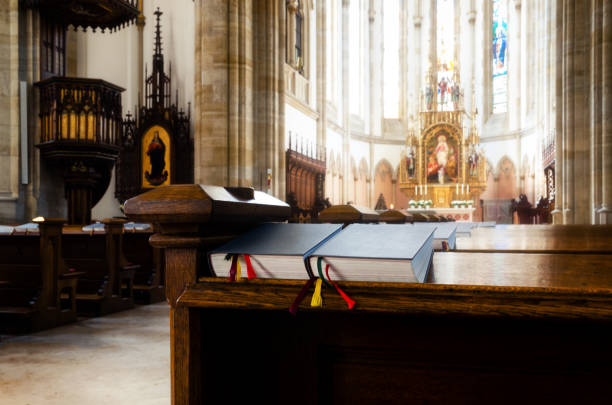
(348, 299)
(250, 271)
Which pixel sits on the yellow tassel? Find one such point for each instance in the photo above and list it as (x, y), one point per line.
(238, 274)
(317, 298)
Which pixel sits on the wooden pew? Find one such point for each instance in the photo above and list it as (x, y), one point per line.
(395, 217)
(149, 277)
(107, 285)
(33, 277)
(488, 328)
(348, 214)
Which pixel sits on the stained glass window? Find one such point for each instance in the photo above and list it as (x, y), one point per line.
(445, 35)
(500, 56)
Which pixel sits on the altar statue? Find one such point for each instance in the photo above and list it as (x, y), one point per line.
(441, 153)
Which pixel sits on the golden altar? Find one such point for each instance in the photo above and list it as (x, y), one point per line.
(442, 161)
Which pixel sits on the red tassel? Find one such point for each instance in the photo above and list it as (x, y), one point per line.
(250, 271)
(234, 268)
(348, 299)
(300, 297)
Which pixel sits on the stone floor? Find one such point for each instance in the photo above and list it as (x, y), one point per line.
(122, 358)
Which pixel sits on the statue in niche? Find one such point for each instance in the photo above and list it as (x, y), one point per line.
(442, 89)
(473, 162)
(456, 95)
(157, 157)
(410, 162)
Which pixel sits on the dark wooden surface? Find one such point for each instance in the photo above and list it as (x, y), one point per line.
(539, 238)
(107, 285)
(34, 276)
(201, 204)
(395, 217)
(489, 328)
(348, 214)
(149, 275)
(402, 343)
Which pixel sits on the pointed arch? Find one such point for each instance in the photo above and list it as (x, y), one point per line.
(383, 181)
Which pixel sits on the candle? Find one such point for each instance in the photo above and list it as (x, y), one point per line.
(457, 192)
(420, 189)
(462, 188)
(425, 188)
(468, 189)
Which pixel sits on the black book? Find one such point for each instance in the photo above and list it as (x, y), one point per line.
(377, 252)
(276, 250)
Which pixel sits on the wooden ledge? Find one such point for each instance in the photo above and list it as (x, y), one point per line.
(415, 299)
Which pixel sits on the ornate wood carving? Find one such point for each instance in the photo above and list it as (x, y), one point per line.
(97, 14)
(80, 121)
(305, 182)
(156, 146)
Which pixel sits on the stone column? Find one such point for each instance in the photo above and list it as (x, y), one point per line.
(375, 85)
(418, 83)
(239, 97)
(557, 213)
(469, 84)
(605, 212)
(433, 47)
(321, 38)
(345, 101)
(9, 114)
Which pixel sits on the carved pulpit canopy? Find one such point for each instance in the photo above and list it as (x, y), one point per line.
(97, 14)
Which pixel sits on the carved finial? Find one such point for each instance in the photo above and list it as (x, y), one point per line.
(158, 48)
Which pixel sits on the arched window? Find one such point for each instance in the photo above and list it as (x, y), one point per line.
(445, 45)
(500, 56)
(391, 60)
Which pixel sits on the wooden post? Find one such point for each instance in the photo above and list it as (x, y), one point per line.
(192, 220)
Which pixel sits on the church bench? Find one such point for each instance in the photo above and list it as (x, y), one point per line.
(148, 278)
(33, 278)
(106, 285)
(348, 214)
(486, 328)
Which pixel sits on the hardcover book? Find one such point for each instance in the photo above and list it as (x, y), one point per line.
(377, 252)
(445, 232)
(275, 250)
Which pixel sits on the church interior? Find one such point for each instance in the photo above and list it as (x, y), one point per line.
(137, 136)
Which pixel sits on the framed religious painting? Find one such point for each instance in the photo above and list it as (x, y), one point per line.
(442, 158)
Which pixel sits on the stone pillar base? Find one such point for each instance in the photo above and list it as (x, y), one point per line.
(557, 217)
(604, 215)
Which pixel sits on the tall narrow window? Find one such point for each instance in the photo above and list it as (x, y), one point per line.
(499, 57)
(445, 24)
(355, 57)
(52, 50)
(299, 23)
(391, 60)
(332, 50)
